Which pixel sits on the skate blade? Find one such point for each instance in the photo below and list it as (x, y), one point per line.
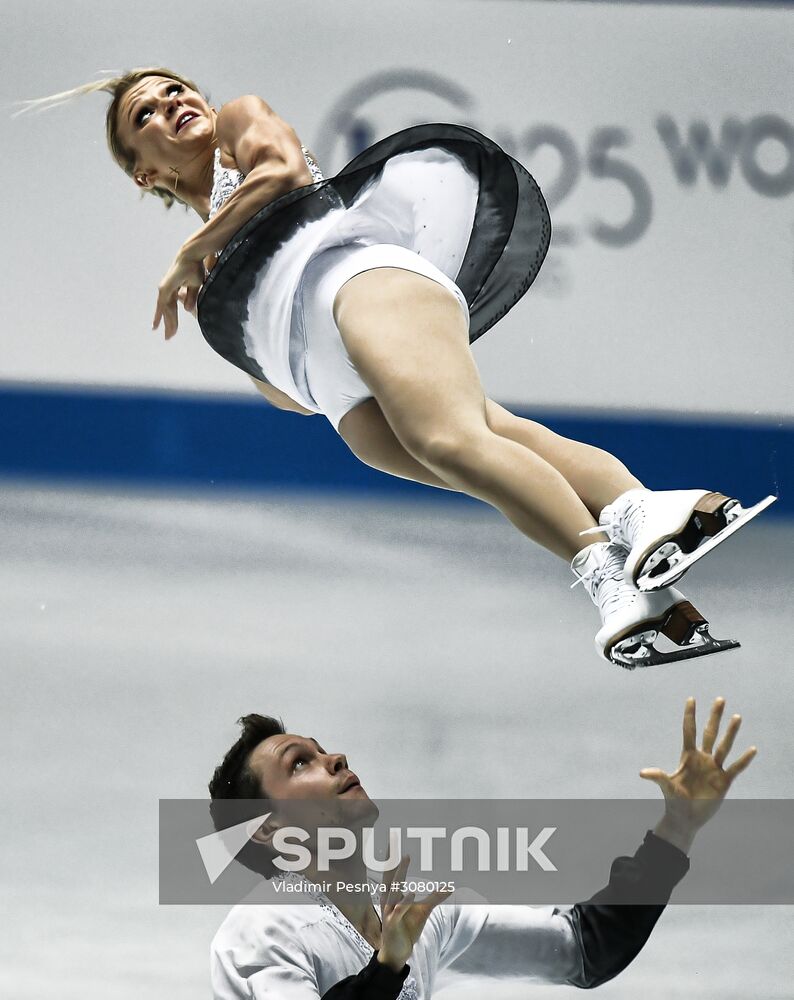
(647, 655)
(647, 584)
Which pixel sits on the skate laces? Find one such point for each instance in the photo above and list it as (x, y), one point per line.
(605, 580)
(610, 586)
(620, 522)
(628, 525)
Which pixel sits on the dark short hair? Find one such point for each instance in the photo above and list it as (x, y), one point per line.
(233, 785)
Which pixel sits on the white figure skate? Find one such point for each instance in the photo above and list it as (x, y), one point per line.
(632, 621)
(667, 532)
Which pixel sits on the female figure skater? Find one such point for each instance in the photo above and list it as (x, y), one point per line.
(358, 297)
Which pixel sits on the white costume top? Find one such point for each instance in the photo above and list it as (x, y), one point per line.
(444, 192)
(298, 952)
(226, 180)
(305, 948)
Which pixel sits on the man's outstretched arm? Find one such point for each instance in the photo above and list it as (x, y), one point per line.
(599, 938)
(611, 927)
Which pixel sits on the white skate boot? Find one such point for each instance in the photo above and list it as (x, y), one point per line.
(666, 532)
(632, 621)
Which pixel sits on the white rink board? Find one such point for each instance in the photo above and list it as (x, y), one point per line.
(669, 284)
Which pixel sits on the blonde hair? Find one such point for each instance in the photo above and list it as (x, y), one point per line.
(117, 86)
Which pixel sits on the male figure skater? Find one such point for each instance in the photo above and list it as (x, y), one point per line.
(337, 946)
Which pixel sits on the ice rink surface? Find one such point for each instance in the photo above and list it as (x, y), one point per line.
(440, 651)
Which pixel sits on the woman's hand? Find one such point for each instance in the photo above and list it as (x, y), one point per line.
(695, 791)
(182, 283)
(402, 919)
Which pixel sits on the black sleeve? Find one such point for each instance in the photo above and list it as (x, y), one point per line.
(374, 982)
(612, 926)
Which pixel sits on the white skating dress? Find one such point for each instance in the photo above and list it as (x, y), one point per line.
(440, 200)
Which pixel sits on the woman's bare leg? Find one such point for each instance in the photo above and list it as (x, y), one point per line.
(596, 476)
(366, 432)
(407, 337)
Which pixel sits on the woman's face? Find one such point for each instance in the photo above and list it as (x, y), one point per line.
(165, 125)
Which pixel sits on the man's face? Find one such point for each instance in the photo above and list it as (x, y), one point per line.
(297, 769)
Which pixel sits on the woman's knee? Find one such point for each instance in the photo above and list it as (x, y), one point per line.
(506, 424)
(369, 437)
(450, 450)
(501, 421)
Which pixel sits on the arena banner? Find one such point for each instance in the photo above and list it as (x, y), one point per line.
(669, 172)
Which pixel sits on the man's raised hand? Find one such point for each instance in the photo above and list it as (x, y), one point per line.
(695, 791)
(402, 918)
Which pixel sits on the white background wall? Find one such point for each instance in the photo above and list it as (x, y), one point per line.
(692, 313)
